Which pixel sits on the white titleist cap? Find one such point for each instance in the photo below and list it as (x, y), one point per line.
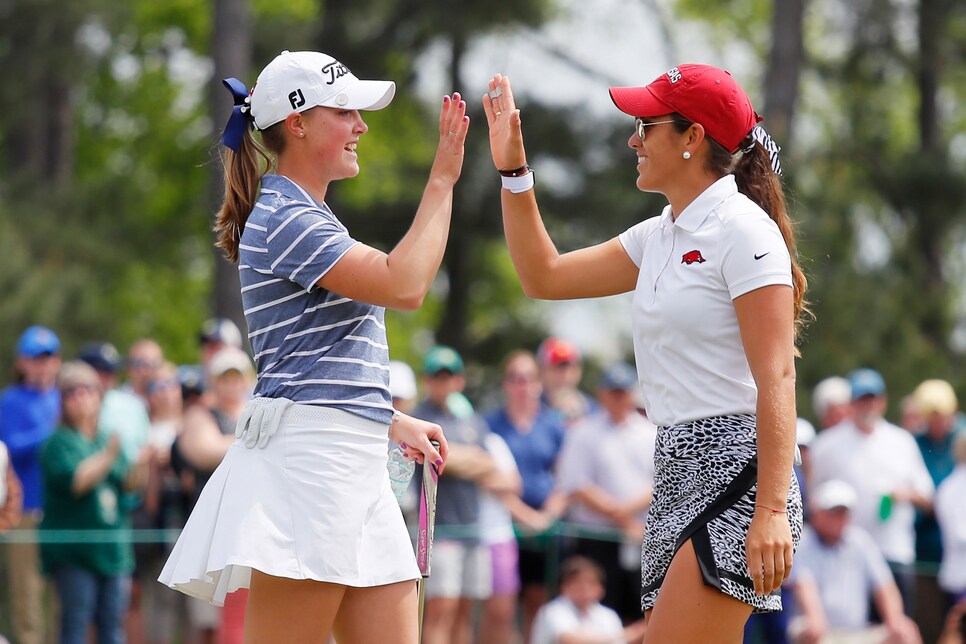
(300, 80)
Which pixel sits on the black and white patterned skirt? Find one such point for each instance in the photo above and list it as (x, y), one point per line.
(705, 484)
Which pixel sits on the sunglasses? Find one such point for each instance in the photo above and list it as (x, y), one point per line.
(70, 392)
(641, 125)
(141, 363)
(163, 384)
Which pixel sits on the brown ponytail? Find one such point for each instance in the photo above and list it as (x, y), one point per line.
(757, 181)
(243, 172)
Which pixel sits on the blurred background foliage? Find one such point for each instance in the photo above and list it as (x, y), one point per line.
(109, 169)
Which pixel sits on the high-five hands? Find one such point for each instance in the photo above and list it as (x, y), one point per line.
(453, 125)
(503, 119)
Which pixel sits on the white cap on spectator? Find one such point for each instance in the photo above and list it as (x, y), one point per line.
(402, 380)
(804, 432)
(835, 494)
(831, 391)
(231, 359)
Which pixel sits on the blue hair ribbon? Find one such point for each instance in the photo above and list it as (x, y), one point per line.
(240, 120)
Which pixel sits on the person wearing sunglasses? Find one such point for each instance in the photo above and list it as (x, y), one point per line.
(718, 301)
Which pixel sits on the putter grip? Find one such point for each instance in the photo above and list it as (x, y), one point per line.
(427, 518)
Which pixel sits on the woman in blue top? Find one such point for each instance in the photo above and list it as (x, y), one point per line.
(300, 511)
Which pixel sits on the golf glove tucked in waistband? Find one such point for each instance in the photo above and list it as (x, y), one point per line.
(260, 419)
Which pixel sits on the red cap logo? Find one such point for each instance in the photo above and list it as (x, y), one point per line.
(691, 257)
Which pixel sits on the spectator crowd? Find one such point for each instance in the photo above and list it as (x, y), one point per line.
(541, 508)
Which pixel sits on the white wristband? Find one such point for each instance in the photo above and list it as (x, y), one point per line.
(516, 185)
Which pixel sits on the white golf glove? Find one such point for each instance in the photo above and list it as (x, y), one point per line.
(260, 419)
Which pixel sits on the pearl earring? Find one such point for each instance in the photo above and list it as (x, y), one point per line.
(687, 154)
(301, 134)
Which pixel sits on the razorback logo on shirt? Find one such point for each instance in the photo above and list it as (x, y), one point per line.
(691, 257)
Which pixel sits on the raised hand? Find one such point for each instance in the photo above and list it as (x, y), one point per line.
(503, 119)
(453, 126)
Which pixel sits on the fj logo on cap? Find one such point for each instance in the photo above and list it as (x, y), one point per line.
(297, 99)
(674, 75)
(334, 70)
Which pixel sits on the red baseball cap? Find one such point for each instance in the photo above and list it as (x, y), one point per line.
(700, 93)
(556, 351)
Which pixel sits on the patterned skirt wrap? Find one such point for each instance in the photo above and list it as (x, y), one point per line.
(705, 485)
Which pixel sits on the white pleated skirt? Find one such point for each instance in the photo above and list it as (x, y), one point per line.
(315, 503)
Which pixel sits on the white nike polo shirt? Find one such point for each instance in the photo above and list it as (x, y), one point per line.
(690, 359)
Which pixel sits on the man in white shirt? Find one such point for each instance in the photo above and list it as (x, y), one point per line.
(838, 571)
(884, 466)
(607, 468)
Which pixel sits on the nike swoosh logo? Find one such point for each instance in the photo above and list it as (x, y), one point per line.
(762, 255)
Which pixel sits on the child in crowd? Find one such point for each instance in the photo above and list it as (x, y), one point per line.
(576, 616)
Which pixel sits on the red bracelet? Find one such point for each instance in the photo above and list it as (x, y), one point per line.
(772, 510)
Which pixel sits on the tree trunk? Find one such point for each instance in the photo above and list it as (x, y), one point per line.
(784, 68)
(932, 211)
(41, 55)
(932, 14)
(452, 327)
(231, 52)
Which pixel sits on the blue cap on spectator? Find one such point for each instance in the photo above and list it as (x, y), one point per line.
(442, 359)
(619, 375)
(866, 382)
(103, 356)
(37, 341)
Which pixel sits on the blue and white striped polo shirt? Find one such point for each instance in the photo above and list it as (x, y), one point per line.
(311, 345)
